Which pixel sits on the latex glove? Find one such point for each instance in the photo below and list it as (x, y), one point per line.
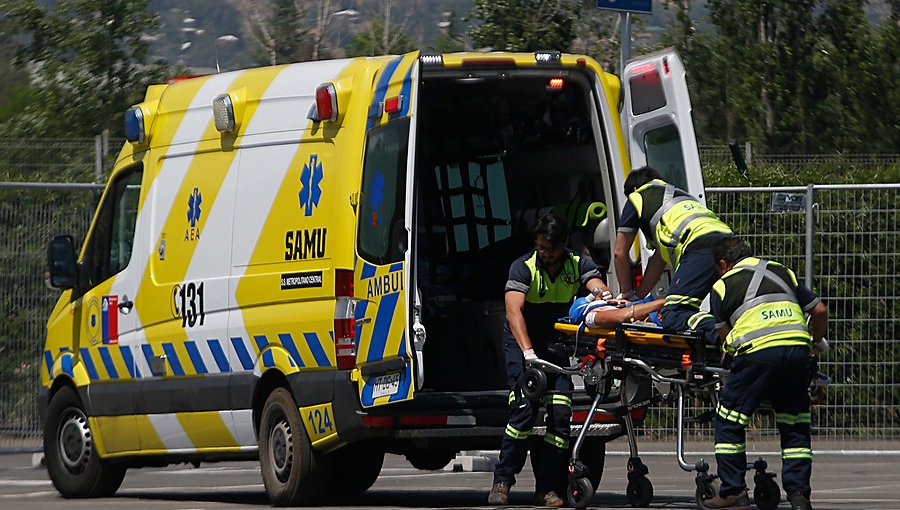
(821, 347)
(530, 355)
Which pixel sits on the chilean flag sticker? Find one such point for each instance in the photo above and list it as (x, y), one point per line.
(109, 311)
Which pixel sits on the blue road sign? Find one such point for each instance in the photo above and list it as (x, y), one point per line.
(643, 6)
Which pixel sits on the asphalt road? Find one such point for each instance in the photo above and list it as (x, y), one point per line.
(841, 480)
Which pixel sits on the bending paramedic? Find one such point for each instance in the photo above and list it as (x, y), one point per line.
(760, 311)
(540, 289)
(683, 232)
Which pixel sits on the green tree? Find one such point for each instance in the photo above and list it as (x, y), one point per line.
(524, 25)
(378, 39)
(283, 36)
(451, 39)
(86, 60)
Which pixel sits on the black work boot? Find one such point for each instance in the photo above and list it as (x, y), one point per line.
(499, 494)
(739, 501)
(800, 502)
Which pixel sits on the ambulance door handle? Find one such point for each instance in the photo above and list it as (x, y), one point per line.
(364, 320)
(126, 305)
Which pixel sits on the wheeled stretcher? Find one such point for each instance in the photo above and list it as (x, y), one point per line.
(643, 360)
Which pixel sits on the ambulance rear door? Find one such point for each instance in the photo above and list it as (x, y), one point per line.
(656, 117)
(386, 358)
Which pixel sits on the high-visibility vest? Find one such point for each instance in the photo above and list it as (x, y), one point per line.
(764, 319)
(545, 290)
(672, 218)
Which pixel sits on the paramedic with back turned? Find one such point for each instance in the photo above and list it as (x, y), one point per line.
(760, 309)
(683, 232)
(540, 289)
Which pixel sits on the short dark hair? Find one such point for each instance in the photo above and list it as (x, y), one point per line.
(731, 250)
(639, 177)
(552, 228)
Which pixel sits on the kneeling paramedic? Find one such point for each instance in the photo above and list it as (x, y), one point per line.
(683, 232)
(540, 289)
(759, 308)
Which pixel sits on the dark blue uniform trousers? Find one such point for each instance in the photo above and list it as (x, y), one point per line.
(781, 376)
(693, 279)
(550, 463)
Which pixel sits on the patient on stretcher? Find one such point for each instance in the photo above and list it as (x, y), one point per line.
(607, 314)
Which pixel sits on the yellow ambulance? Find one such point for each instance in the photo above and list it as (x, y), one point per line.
(305, 263)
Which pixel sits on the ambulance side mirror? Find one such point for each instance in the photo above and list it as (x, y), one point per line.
(61, 262)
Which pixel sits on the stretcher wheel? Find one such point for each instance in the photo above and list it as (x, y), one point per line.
(766, 494)
(579, 493)
(706, 490)
(639, 492)
(535, 384)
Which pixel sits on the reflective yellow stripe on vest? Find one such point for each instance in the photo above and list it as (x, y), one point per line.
(545, 290)
(676, 220)
(765, 320)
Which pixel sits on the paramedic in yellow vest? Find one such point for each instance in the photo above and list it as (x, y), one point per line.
(759, 308)
(539, 290)
(683, 232)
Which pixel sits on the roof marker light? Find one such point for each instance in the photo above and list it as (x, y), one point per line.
(547, 57)
(555, 84)
(429, 58)
(134, 125)
(326, 107)
(393, 104)
(223, 113)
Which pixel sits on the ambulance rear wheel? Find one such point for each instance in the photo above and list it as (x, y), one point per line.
(76, 469)
(430, 460)
(291, 471)
(354, 468)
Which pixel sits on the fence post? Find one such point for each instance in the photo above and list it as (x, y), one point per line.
(748, 152)
(810, 228)
(98, 158)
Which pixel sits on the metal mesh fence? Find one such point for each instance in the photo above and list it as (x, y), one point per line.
(29, 216)
(855, 232)
(855, 270)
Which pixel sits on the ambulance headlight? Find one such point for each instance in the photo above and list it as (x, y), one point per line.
(134, 125)
(223, 113)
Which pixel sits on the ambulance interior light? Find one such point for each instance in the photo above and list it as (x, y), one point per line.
(134, 125)
(223, 113)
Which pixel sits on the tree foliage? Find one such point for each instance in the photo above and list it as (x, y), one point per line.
(380, 39)
(524, 25)
(86, 60)
(795, 76)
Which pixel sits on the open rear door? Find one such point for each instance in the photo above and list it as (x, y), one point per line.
(657, 119)
(385, 353)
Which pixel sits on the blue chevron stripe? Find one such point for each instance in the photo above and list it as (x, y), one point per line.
(196, 358)
(108, 362)
(172, 358)
(219, 355)
(89, 363)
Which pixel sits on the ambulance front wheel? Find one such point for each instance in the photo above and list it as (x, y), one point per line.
(639, 492)
(290, 468)
(579, 492)
(76, 469)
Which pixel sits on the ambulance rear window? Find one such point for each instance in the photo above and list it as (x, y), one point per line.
(382, 208)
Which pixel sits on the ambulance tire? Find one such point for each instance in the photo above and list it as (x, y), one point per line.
(75, 467)
(430, 460)
(292, 472)
(354, 468)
